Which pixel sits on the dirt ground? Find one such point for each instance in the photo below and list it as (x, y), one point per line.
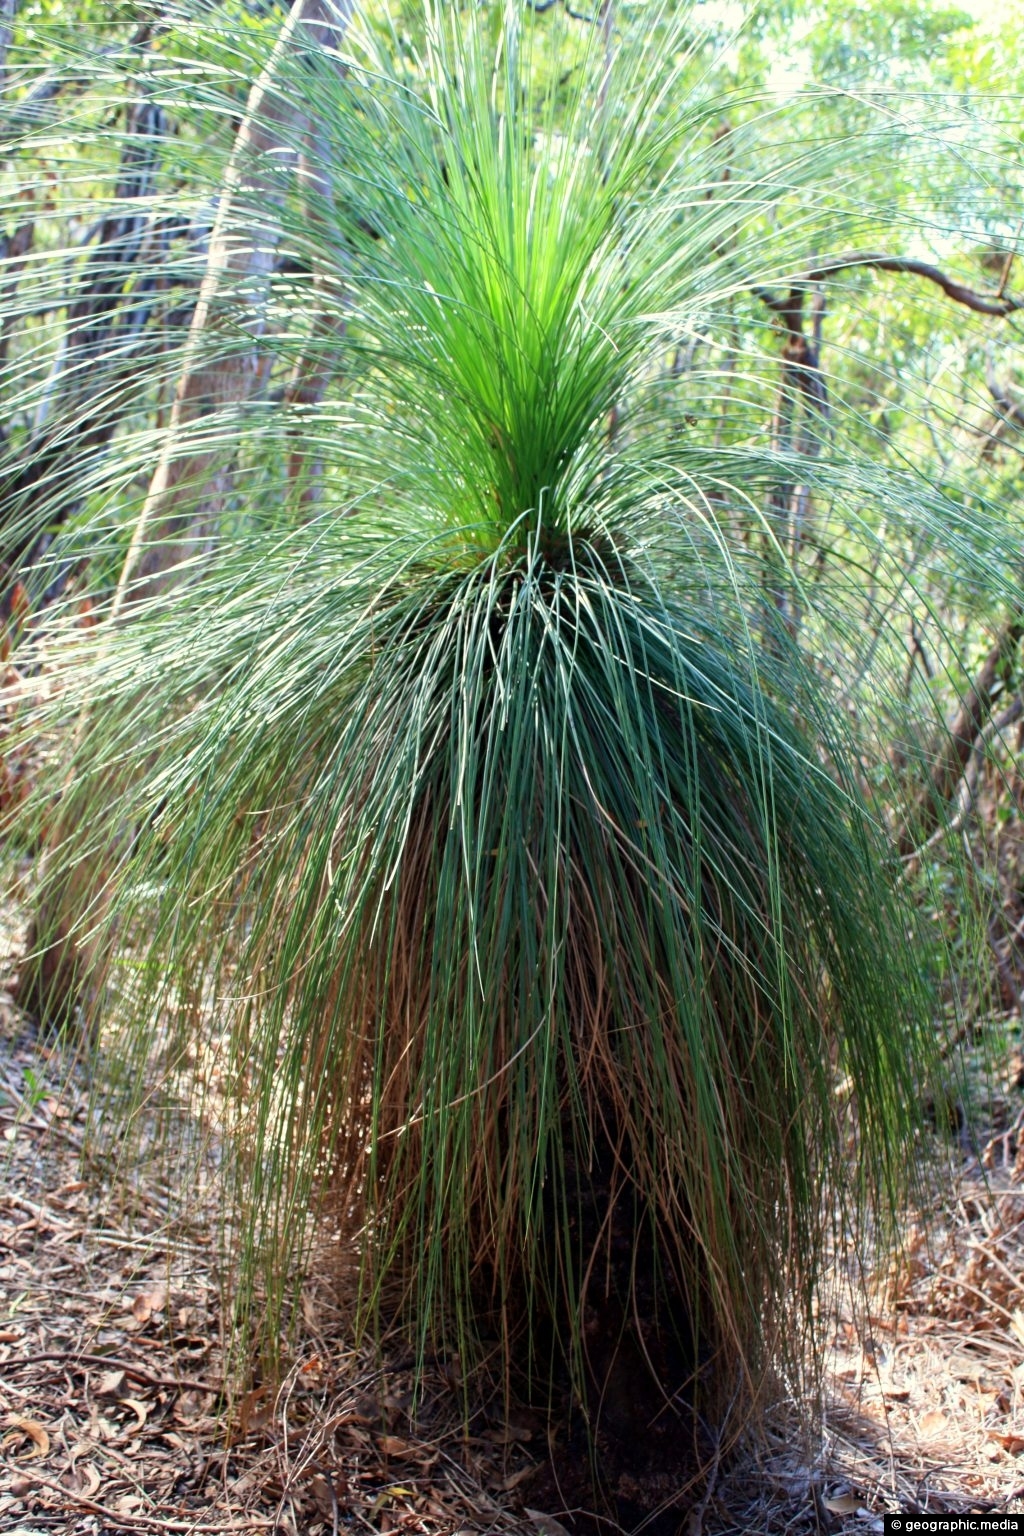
(114, 1415)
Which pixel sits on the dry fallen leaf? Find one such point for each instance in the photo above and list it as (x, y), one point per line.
(28, 1429)
(932, 1423)
(843, 1504)
(85, 1479)
(149, 1302)
(140, 1410)
(350, 1416)
(254, 1411)
(393, 1445)
(1012, 1443)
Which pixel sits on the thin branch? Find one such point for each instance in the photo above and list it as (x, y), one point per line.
(146, 1522)
(1000, 303)
(73, 1359)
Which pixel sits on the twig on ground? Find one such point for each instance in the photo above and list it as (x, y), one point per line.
(112, 1363)
(152, 1522)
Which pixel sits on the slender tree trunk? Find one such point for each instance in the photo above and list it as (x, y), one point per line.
(41, 485)
(798, 426)
(188, 488)
(165, 535)
(951, 754)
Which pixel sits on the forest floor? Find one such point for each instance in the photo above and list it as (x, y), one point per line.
(114, 1418)
(116, 1415)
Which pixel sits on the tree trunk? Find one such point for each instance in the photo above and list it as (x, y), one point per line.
(952, 753)
(187, 489)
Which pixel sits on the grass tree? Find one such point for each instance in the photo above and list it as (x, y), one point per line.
(490, 811)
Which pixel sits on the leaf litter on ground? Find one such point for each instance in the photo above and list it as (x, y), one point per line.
(116, 1416)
